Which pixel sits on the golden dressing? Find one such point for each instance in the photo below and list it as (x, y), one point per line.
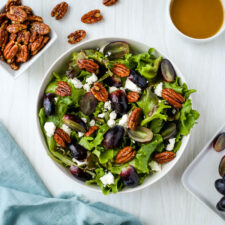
(197, 18)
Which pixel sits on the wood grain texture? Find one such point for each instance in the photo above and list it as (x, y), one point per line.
(165, 202)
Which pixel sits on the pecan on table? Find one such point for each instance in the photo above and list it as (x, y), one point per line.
(76, 36)
(60, 10)
(109, 2)
(93, 16)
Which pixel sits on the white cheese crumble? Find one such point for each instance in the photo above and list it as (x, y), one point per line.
(56, 99)
(107, 105)
(155, 166)
(113, 115)
(92, 123)
(79, 163)
(101, 115)
(76, 83)
(90, 80)
(87, 87)
(107, 179)
(49, 128)
(132, 86)
(112, 89)
(111, 122)
(158, 89)
(171, 144)
(84, 119)
(80, 134)
(123, 121)
(66, 129)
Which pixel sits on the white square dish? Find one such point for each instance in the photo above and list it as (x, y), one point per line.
(201, 174)
(24, 66)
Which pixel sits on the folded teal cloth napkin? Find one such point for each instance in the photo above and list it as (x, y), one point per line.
(24, 199)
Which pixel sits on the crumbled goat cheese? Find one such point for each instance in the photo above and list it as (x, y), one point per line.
(113, 115)
(132, 86)
(123, 121)
(56, 99)
(66, 129)
(87, 87)
(112, 89)
(90, 80)
(107, 105)
(171, 144)
(158, 89)
(107, 179)
(49, 128)
(92, 123)
(79, 163)
(111, 122)
(84, 119)
(174, 111)
(76, 83)
(80, 134)
(155, 166)
(101, 115)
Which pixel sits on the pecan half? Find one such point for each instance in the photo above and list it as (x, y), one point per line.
(60, 10)
(99, 92)
(27, 9)
(43, 43)
(133, 96)
(63, 89)
(33, 35)
(120, 70)
(91, 131)
(41, 28)
(109, 2)
(76, 36)
(93, 16)
(36, 44)
(13, 37)
(125, 155)
(134, 118)
(3, 37)
(88, 65)
(15, 28)
(12, 3)
(174, 98)
(10, 51)
(22, 55)
(164, 157)
(14, 66)
(35, 18)
(24, 37)
(61, 137)
(17, 14)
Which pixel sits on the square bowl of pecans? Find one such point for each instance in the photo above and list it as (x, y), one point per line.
(24, 37)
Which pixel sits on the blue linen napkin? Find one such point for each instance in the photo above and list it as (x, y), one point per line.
(24, 200)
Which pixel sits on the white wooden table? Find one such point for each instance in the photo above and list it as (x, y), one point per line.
(166, 202)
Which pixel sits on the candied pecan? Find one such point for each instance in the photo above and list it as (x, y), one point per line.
(61, 137)
(60, 10)
(36, 43)
(41, 28)
(99, 92)
(174, 98)
(10, 51)
(63, 89)
(134, 118)
(35, 18)
(14, 66)
(164, 157)
(45, 40)
(125, 155)
(12, 3)
(88, 65)
(120, 70)
(15, 28)
(27, 9)
(33, 36)
(93, 16)
(22, 55)
(17, 14)
(109, 2)
(23, 36)
(76, 36)
(91, 131)
(3, 37)
(133, 96)
(13, 37)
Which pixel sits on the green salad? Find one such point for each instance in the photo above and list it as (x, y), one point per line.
(114, 117)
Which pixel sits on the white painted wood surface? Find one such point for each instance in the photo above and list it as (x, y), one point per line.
(166, 202)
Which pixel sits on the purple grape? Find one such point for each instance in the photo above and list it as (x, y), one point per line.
(114, 81)
(80, 174)
(88, 103)
(219, 142)
(221, 204)
(220, 186)
(129, 176)
(77, 151)
(222, 167)
(167, 71)
(113, 137)
(48, 103)
(136, 78)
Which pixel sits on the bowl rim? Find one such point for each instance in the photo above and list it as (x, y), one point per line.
(197, 40)
(39, 96)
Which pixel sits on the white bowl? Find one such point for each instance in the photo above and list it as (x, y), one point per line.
(60, 63)
(24, 66)
(196, 40)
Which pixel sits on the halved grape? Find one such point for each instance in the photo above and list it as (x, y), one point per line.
(48, 104)
(77, 151)
(80, 174)
(220, 186)
(138, 79)
(219, 142)
(116, 50)
(167, 70)
(129, 176)
(74, 122)
(169, 131)
(88, 103)
(222, 167)
(141, 134)
(221, 204)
